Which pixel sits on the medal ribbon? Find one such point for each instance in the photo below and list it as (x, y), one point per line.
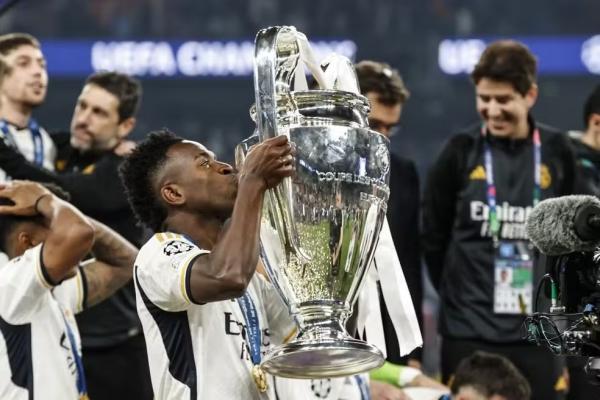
(363, 387)
(253, 334)
(36, 138)
(491, 186)
(81, 384)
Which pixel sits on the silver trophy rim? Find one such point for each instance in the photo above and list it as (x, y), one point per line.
(312, 359)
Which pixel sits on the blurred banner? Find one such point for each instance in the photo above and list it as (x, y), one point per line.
(557, 55)
(165, 59)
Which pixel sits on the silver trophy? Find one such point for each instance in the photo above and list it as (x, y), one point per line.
(320, 228)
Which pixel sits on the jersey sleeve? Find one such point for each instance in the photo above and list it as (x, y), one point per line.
(162, 271)
(72, 292)
(23, 286)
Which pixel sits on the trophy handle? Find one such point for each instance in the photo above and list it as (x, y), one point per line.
(276, 57)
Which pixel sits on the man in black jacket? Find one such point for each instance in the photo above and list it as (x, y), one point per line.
(88, 157)
(477, 198)
(386, 92)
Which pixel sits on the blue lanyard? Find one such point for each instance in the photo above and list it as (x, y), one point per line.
(36, 138)
(81, 385)
(491, 186)
(363, 387)
(445, 397)
(253, 334)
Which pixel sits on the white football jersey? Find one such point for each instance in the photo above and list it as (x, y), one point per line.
(22, 139)
(199, 351)
(36, 360)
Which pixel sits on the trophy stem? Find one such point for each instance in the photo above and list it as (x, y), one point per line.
(322, 348)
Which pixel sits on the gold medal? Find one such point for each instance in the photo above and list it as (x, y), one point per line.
(260, 378)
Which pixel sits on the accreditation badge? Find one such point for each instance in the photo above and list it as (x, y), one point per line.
(513, 277)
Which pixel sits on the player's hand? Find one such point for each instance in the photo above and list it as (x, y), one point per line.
(24, 195)
(385, 391)
(269, 161)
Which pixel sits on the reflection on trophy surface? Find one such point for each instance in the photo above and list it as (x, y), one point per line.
(319, 228)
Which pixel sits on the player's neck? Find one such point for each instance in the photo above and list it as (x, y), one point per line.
(521, 130)
(17, 114)
(203, 231)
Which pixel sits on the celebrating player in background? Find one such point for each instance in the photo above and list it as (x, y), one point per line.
(478, 195)
(23, 84)
(207, 316)
(87, 167)
(43, 286)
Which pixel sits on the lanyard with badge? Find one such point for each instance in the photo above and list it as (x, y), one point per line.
(253, 338)
(36, 138)
(513, 259)
(81, 384)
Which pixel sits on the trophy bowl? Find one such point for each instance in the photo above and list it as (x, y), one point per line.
(320, 228)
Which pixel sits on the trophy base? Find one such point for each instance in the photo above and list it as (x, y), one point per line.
(312, 359)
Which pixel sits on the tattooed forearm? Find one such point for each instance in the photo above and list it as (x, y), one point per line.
(102, 281)
(113, 266)
(111, 248)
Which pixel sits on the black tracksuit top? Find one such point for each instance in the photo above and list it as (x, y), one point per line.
(457, 243)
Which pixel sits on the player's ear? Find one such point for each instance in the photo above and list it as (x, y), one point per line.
(172, 194)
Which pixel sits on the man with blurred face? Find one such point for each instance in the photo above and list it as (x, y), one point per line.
(23, 83)
(87, 167)
(486, 376)
(98, 124)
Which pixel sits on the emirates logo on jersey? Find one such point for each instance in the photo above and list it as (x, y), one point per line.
(177, 247)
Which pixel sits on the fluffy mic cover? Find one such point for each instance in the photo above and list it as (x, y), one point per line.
(551, 225)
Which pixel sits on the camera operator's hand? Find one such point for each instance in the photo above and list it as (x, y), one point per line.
(269, 161)
(25, 195)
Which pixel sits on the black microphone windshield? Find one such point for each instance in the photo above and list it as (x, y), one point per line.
(565, 225)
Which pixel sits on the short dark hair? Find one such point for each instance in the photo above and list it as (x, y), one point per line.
(491, 374)
(11, 41)
(8, 222)
(382, 79)
(592, 105)
(138, 172)
(507, 61)
(125, 88)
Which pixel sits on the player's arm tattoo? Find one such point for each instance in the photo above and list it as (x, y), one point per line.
(113, 265)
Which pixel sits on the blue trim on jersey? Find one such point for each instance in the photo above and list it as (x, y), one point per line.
(176, 336)
(20, 358)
